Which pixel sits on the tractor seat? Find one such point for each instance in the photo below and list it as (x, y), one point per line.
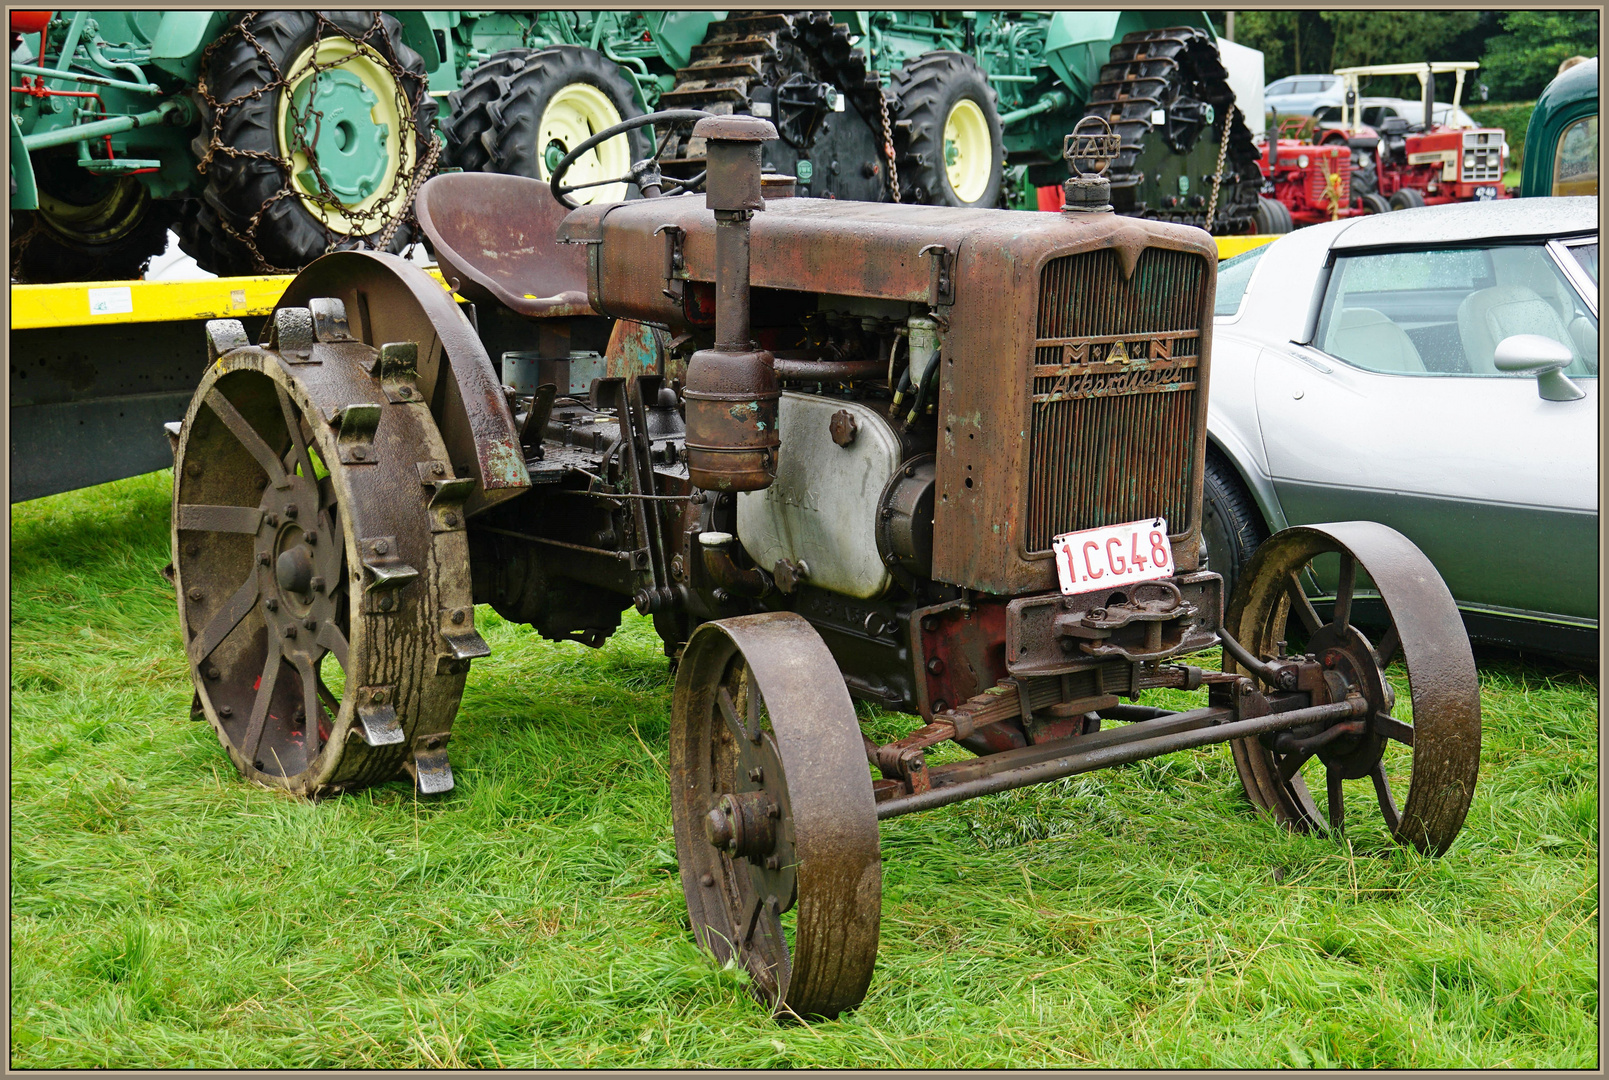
(494, 237)
(1367, 338)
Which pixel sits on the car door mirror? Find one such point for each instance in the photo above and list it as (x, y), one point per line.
(1542, 357)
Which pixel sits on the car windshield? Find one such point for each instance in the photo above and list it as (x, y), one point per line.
(1443, 312)
(1233, 276)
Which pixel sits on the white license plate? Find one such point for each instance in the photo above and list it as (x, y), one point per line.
(1484, 193)
(1113, 555)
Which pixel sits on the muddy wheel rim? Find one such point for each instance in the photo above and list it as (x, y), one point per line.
(773, 811)
(1420, 752)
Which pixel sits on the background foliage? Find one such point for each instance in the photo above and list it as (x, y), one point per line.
(1519, 51)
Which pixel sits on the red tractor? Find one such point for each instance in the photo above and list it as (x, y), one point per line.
(1435, 162)
(1305, 183)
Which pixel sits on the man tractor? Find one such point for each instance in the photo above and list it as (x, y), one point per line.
(944, 460)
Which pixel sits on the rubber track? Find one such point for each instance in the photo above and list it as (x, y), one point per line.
(1132, 83)
(749, 49)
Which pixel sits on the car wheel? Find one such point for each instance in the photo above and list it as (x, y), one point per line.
(1231, 526)
(1374, 204)
(1406, 199)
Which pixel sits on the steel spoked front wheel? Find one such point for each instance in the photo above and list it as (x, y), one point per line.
(1417, 754)
(773, 810)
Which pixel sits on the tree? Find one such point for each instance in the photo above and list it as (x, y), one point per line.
(1524, 58)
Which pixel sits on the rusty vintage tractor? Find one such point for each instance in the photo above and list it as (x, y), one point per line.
(943, 460)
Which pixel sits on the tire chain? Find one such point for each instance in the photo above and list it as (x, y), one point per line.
(387, 225)
(1218, 171)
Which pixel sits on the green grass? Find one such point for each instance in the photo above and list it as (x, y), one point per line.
(163, 913)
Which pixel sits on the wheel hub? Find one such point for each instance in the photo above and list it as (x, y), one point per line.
(300, 564)
(332, 116)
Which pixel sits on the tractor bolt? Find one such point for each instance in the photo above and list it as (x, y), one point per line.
(290, 631)
(773, 863)
(405, 391)
(458, 617)
(387, 602)
(212, 673)
(194, 469)
(718, 828)
(757, 774)
(378, 697)
(358, 453)
(311, 624)
(707, 880)
(195, 594)
(935, 666)
(438, 469)
(225, 711)
(451, 519)
(721, 596)
(941, 706)
(272, 519)
(290, 510)
(262, 558)
(272, 604)
(316, 583)
(310, 536)
(381, 547)
(772, 810)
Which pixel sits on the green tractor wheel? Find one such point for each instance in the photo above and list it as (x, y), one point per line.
(953, 152)
(524, 109)
(317, 130)
(87, 227)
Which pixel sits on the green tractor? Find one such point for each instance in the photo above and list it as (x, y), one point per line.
(970, 108)
(265, 139)
(983, 100)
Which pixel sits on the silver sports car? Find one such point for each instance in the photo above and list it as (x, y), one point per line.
(1436, 370)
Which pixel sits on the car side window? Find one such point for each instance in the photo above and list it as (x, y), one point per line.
(1443, 312)
(1283, 86)
(1234, 274)
(1575, 163)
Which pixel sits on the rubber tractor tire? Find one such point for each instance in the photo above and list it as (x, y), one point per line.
(1407, 199)
(87, 227)
(952, 152)
(522, 110)
(1272, 217)
(317, 127)
(1374, 204)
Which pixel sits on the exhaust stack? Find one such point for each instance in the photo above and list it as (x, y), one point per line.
(731, 390)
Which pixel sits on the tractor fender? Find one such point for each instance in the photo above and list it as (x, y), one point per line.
(419, 34)
(181, 38)
(388, 299)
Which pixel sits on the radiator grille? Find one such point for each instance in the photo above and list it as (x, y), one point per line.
(1114, 368)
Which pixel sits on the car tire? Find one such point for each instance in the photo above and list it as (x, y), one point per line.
(1406, 199)
(1272, 217)
(1231, 526)
(1374, 204)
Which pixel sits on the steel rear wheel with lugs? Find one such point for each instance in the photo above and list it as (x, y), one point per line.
(772, 802)
(321, 562)
(1428, 752)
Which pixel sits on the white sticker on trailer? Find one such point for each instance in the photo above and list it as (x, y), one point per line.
(118, 300)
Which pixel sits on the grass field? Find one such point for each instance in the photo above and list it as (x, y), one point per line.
(165, 914)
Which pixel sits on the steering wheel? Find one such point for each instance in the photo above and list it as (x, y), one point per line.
(644, 173)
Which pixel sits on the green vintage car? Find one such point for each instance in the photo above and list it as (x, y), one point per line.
(1561, 145)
